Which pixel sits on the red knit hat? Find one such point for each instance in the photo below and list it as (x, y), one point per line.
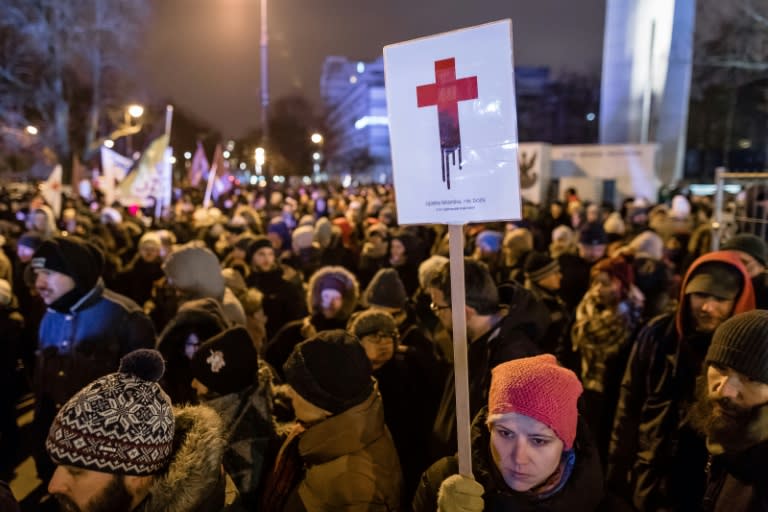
(618, 268)
(539, 388)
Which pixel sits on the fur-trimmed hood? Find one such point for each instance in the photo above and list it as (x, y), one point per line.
(194, 480)
(350, 295)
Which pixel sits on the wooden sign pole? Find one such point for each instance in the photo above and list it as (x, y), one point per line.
(461, 369)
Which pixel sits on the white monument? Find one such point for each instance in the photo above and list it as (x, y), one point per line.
(647, 54)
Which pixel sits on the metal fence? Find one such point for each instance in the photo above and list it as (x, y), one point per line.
(741, 205)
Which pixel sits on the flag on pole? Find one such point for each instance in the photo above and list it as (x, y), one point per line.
(200, 167)
(51, 190)
(78, 174)
(222, 183)
(114, 167)
(150, 178)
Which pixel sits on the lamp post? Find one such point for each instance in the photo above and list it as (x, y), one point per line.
(260, 158)
(317, 155)
(263, 46)
(133, 111)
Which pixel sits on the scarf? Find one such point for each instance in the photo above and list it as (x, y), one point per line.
(286, 474)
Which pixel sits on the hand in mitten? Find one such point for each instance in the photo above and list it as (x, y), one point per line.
(460, 494)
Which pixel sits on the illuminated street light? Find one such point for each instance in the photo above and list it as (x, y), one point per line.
(135, 111)
(316, 138)
(315, 156)
(187, 155)
(172, 159)
(109, 143)
(226, 154)
(260, 156)
(32, 130)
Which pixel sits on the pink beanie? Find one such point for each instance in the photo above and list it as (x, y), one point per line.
(539, 388)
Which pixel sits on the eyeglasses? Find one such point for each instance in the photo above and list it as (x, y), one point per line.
(383, 336)
(435, 308)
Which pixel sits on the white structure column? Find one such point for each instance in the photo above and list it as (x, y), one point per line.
(647, 57)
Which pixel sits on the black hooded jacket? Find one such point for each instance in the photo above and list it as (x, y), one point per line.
(514, 336)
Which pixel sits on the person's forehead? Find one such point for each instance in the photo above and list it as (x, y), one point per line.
(330, 291)
(523, 423)
(88, 474)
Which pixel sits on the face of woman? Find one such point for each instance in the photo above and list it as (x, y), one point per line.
(396, 252)
(608, 288)
(526, 451)
(379, 347)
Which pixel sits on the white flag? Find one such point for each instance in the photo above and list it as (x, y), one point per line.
(51, 190)
(146, 185)
(114, 168)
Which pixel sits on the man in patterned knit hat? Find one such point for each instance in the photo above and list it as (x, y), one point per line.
(120, 446)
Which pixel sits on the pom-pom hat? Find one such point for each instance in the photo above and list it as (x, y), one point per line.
(539, 388)
(121, 423)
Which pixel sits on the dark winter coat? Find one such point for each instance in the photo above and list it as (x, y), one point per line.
(576, 278)
(283, 300)
(280, 346)
(86, 343)
(351, 463)
(410, 391)
(583, 492)
(650, 453)
(136, 279)
(250, 431)
(516, 335)
(738, 482)
(195, 480)
(557, 339)
(760, 284)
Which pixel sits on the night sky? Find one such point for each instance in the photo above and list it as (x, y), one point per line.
(205, 53)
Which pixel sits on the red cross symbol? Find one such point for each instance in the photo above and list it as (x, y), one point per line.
(446, 93)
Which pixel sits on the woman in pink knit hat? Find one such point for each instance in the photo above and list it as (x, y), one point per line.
(529, 449)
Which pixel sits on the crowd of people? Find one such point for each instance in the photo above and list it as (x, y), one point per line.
(291, 349)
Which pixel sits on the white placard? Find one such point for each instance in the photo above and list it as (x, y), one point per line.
(448, 172)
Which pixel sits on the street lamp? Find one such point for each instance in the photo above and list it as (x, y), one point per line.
(316, 138)
(133, 111)
(32, 130)
(260, 158)
(109, 143)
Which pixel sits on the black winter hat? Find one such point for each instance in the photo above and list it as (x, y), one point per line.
(539, 265)
(330, 371)
(593, 234)
(386, 289)
(31, 240)
(750, 244)
(741, 343)
(256, 243)
(71, 256)
(372, 321)
(227, 363)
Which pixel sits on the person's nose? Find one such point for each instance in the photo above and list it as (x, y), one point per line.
(520, 452)
(709, 306)
(58, 483)
(727, 387)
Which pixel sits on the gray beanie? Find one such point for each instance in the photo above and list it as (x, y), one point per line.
(386, 290)
(741, 343)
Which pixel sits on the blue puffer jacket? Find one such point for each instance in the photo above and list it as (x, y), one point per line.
(86, 343)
